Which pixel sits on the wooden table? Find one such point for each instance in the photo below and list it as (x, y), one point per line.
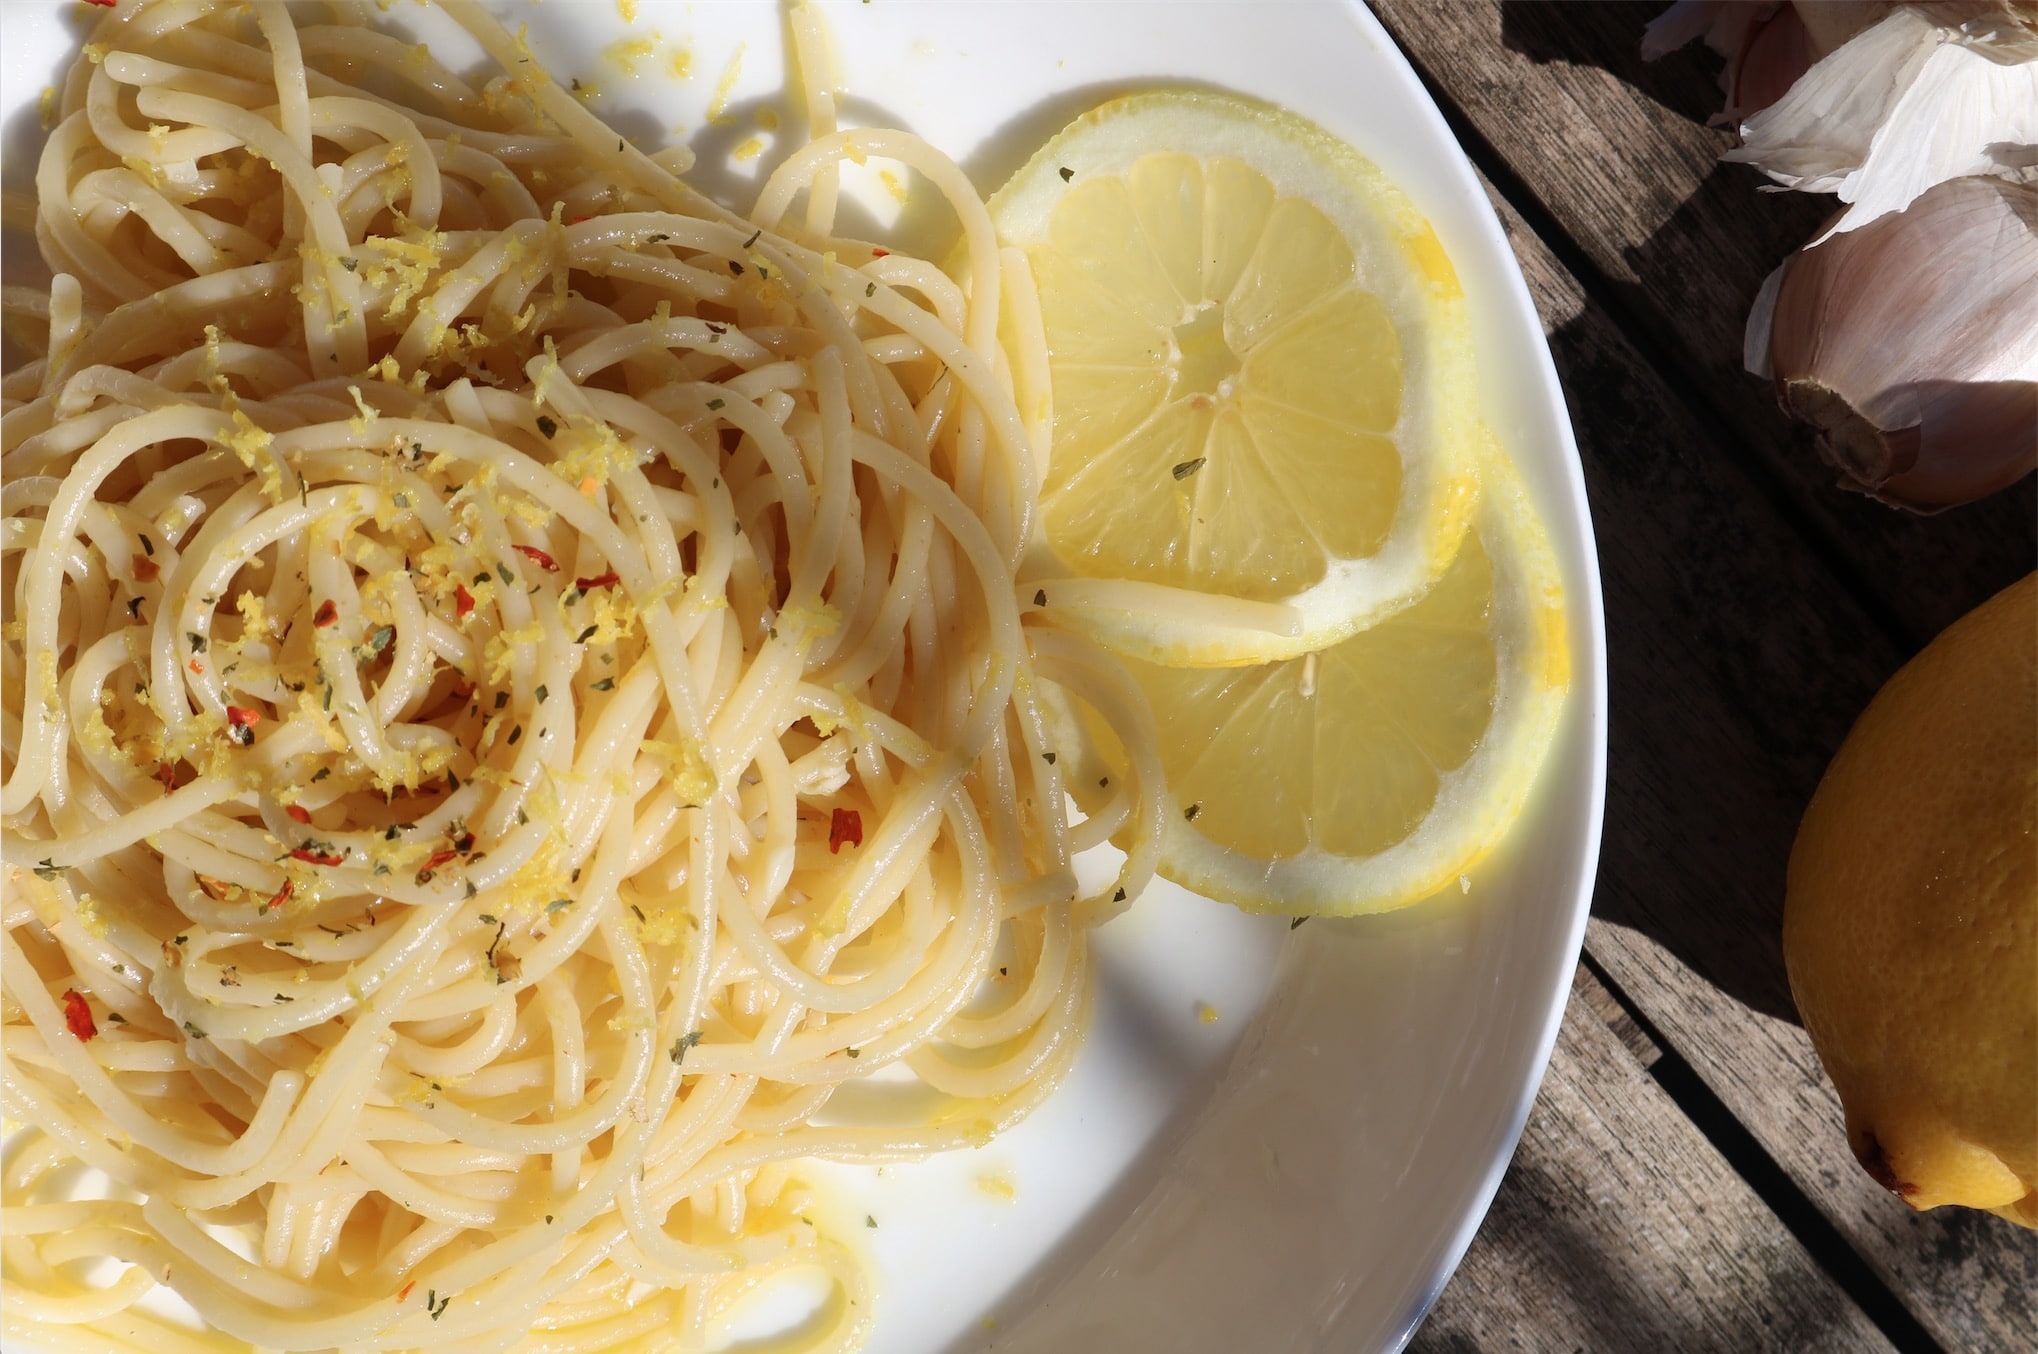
(1684, 1183)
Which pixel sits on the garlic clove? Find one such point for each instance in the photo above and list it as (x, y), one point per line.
(1770, 60)
(1821, 131)
(1911, 344)
(1768, 45)
(1955, 441)
(1964, 100)
(1831, 24)
(1904, 105)
(1761, 324)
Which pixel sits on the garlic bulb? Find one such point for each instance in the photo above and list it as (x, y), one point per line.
(1912, 344)
(1769, 44)
(1766, 46)
(1902, 106)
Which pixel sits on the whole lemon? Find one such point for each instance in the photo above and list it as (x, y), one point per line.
(1910, 928)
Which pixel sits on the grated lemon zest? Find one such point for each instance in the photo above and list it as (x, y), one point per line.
(691, 777)
(718, 106)
(254, 609)
(359, 423)
(500, 653)
(625, 53)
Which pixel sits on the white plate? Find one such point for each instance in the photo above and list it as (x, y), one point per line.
(1303, 1172)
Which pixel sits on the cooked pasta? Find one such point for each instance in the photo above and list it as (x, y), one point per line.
(515, 693)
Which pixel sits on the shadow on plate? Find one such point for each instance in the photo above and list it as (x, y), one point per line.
(1157, 1031)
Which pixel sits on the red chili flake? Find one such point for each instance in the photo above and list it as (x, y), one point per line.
(103, 4)
(404, 1291)
(879, 253)
(280, 897)
(328, 612)
(196, 667)
(145, 569)
(844, 825)
(576, 220)
(311, 857)
(240, 724)
(607, 580)
(298, 813)
(538, 557)
(78, 1015)
(433, 862)
(463, 600)
(166, 772)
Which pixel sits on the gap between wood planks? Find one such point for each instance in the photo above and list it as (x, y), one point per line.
(1821, 1240)
(1600, 291)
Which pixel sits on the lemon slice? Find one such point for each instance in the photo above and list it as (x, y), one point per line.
(1370, 775)
(1260, 381)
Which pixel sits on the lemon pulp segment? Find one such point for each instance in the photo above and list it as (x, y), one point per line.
(1342, 751)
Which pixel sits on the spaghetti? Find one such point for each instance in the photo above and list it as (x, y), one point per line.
(516, 692)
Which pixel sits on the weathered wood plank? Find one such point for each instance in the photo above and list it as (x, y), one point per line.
(1941, 1263)
(1620, 1228)
(1736, 665)
(1617, 152)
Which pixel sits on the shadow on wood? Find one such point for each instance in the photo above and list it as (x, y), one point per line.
(1734, 670)
(1681, 243)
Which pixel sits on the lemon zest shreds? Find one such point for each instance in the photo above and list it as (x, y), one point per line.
(689, 774)
(718, 106)
(500, 653)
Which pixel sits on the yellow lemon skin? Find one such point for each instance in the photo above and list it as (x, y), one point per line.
(1910, 927)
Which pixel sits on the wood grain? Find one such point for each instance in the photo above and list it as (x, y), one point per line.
(1617, 153)
(1969, 1277)
(1736, 665)
(1619, 1228)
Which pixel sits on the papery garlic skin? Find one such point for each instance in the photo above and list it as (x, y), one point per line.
(1912, 345)
(1769, 44)
(1907, 104)
(1724, 24)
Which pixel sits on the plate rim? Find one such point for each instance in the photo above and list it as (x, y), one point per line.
(1565, 476)
(1591, 611)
